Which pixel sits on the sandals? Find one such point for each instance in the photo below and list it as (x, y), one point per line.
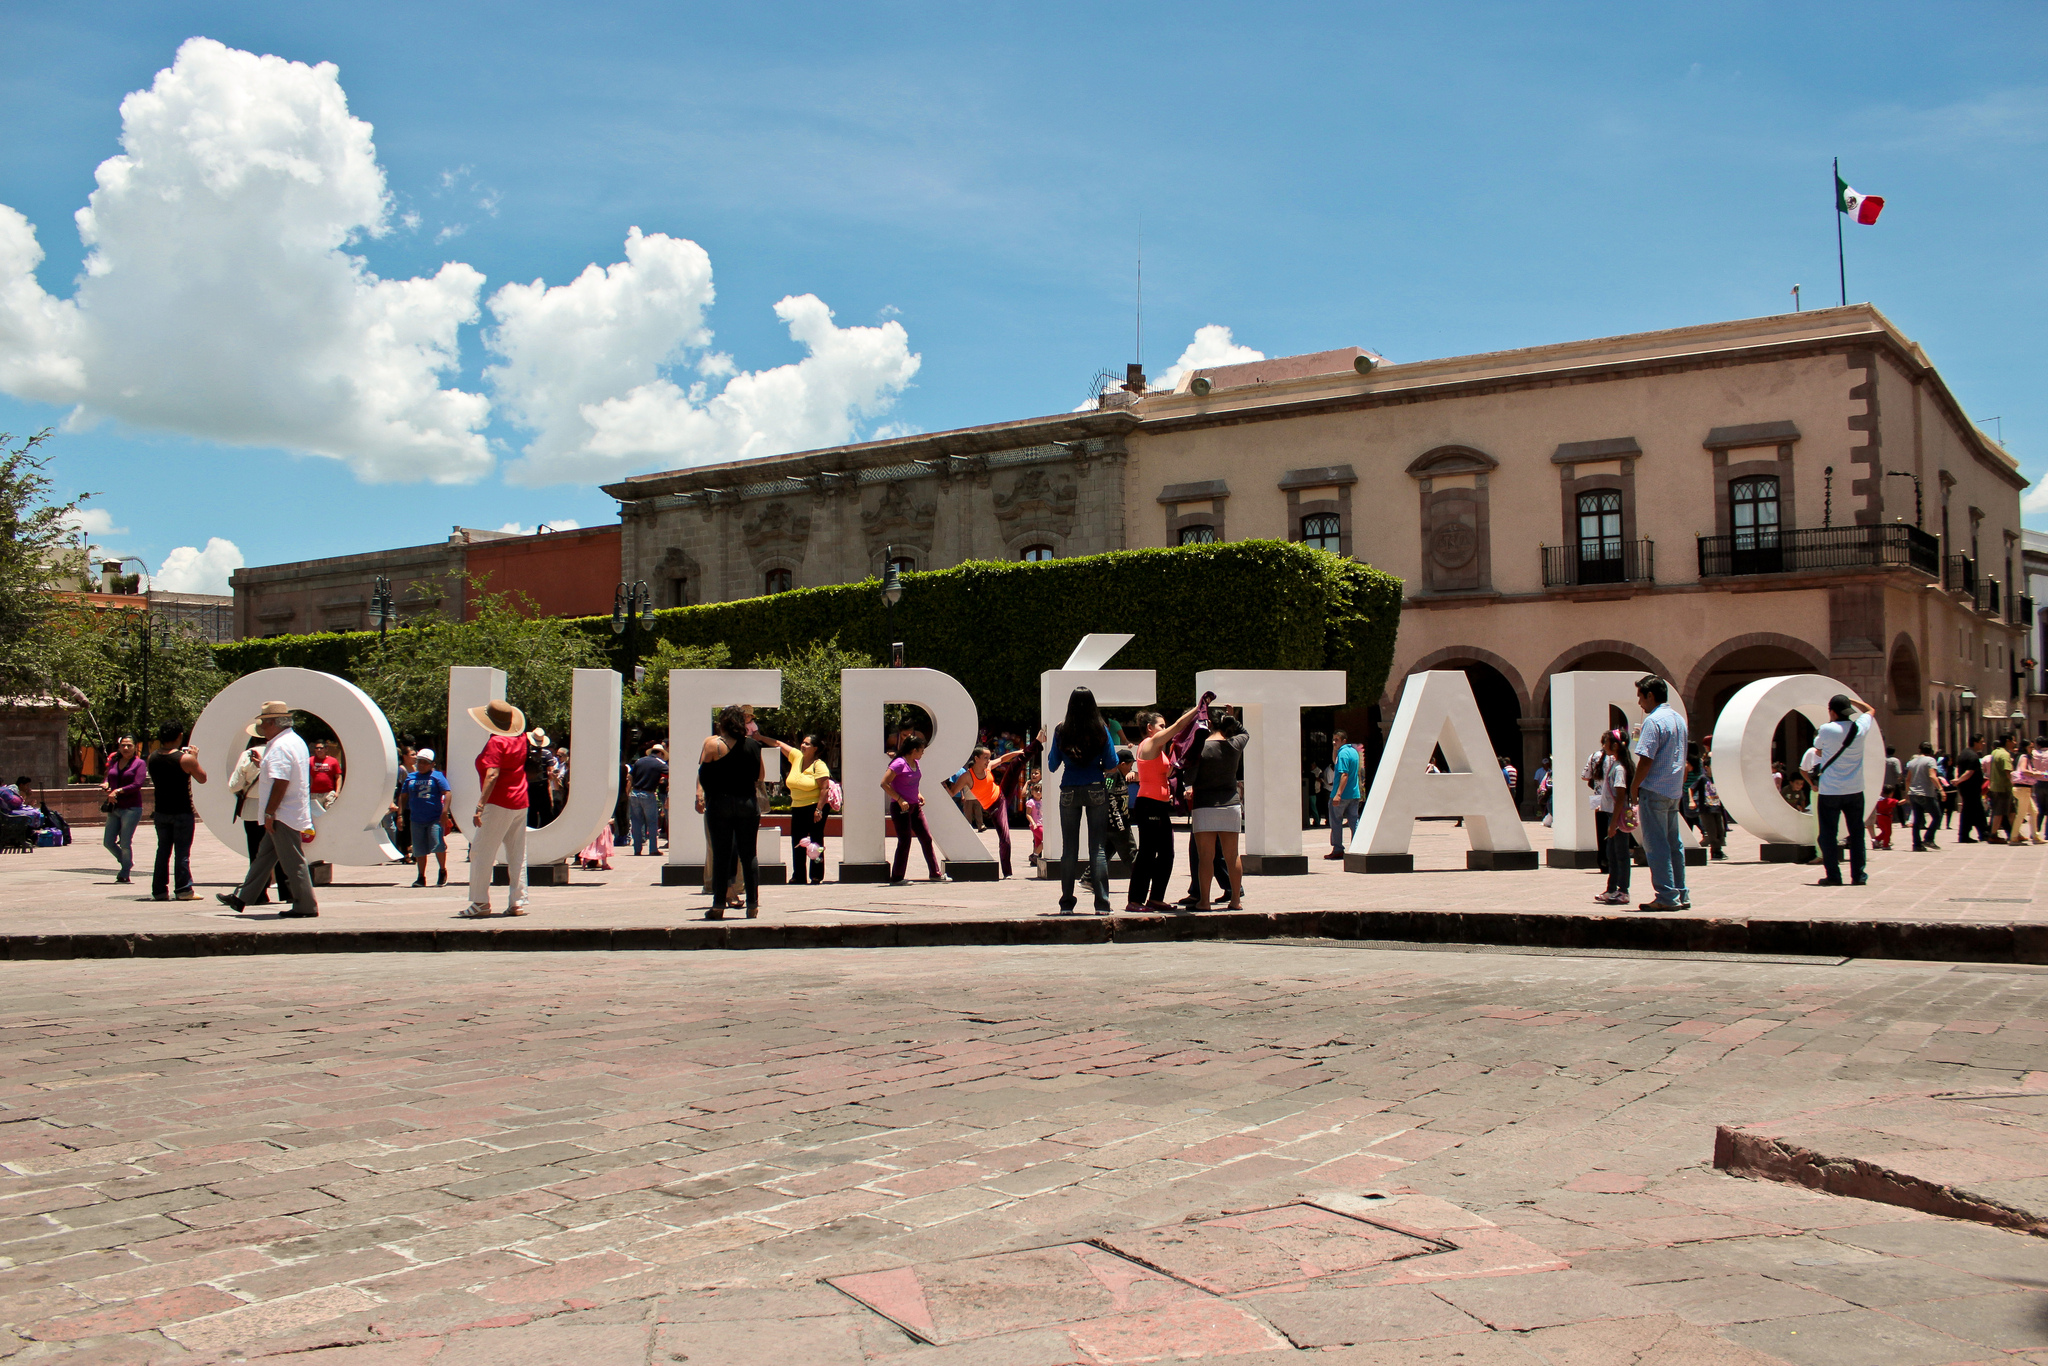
(474, 912)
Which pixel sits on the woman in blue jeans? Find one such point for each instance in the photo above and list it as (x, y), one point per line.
(1081, 749)
(126, 775)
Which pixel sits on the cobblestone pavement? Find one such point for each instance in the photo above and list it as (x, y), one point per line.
(1252, 1153)
(71, 890)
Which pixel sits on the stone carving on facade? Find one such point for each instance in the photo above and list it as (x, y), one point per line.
(776, 527)
(1038, 500)
(897, 518)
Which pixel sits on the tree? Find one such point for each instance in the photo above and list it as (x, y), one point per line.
(408, 674)
(646, 702)
(810, 692)
(35, 552)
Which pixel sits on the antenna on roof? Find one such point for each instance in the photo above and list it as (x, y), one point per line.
(1138, 355)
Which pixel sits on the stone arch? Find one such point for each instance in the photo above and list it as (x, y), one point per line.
(1903, 678)
(1703, 709)
(1648, 662)
(1014, 544)
(1472, 654)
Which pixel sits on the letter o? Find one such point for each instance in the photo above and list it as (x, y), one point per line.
(349, 832)
(1743, 734)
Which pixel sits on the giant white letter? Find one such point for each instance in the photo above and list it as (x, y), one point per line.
(1437, 708)
(1579, 715)
(1742, 759)
(1112, 688)
(1272, 700)
(349, 832)
(693, 694)
(863, 693)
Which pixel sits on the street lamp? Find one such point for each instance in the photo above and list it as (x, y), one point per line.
(1917, 499)
(381, 607)
(892, 593)
(631, 602)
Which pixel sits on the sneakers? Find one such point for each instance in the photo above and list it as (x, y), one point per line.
(1332, 854)
(187, 895)
(1659, 906)
(1612, 899)
(942, 877)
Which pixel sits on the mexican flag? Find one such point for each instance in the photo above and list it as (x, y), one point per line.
(1864, 208)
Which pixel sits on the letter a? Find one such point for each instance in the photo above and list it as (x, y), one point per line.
(1437, 709)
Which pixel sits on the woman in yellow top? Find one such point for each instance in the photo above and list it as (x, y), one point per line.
(807, 810)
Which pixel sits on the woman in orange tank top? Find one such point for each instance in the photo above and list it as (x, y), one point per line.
(1151, 812)
(989, 781)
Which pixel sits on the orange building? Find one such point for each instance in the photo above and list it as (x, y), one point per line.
(564, 573)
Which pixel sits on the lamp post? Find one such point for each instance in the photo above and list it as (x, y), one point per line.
(1917, 499)
(146, 623)
(381, 607)
(892, 593)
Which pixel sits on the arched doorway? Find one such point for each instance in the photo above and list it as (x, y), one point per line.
(1727, 671)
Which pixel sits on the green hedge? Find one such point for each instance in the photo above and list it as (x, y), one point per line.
(996, 626)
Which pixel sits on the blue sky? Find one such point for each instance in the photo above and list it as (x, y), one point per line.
(1423, 181)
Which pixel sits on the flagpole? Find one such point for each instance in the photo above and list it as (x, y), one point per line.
(1841, 266)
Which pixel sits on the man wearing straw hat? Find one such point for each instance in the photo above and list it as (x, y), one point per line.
(499, 822)
(284, 805)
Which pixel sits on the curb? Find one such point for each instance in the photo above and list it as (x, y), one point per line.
(1981, 942)
(1762, 1157)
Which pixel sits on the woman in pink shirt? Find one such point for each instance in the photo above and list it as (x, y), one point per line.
(906, 805)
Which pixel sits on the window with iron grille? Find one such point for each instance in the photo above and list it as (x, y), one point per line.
(1198, 535)
(1753, 512)
(779, 581)
(1035, 552)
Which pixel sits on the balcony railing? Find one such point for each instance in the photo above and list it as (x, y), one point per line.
(1892, 545)
(1612, 560)
(2026, 617)
(1987, 596)
(1960, 575)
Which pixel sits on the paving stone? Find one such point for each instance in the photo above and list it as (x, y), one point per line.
(1270, 1247)
(1542, 1300)
(1657, 1340)
(2013, 1321)
(1863, 1336)
(1336, 1318)
(1737, 1299)
(944, 1302)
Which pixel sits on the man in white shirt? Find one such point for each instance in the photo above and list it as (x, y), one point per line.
(1837, 774)
(284, 804)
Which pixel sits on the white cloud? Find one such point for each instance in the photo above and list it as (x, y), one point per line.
(191, 570)
(563, 524)
(586, 370)
(218, 298)
(1211, 347)
(93, 522)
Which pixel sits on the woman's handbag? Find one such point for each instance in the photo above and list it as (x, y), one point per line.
(832, 794)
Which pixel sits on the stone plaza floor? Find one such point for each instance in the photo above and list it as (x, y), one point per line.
(1257, 1154)
(71, 890)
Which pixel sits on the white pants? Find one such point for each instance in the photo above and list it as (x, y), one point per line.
(504, 828)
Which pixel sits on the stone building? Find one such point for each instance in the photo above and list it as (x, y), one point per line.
(1715, 503)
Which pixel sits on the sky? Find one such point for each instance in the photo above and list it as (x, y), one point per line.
(319, 279)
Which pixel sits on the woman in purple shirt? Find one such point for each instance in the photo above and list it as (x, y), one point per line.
(126, 774)
(906, 805)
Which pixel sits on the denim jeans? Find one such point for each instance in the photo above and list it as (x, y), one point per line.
(1344, 814)
(1093, 800)
(1832, 809)
(646, 817)
(1927, 814)
(1663, 848)
(120, 836)
(1621, 859)
(173, 836)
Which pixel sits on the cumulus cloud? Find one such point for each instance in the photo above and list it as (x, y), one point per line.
(189, 569)
(562, 524)
(1211, 347)
(588, 369)
(221, 299)
(218, 297)
(93, 522)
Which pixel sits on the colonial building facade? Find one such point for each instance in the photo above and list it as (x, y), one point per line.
(1714, 504)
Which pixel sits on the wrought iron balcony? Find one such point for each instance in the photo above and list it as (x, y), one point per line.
(1960, 575)
(1611, 560)
(1987, 596)
(1891, 545)
(2026, 617)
